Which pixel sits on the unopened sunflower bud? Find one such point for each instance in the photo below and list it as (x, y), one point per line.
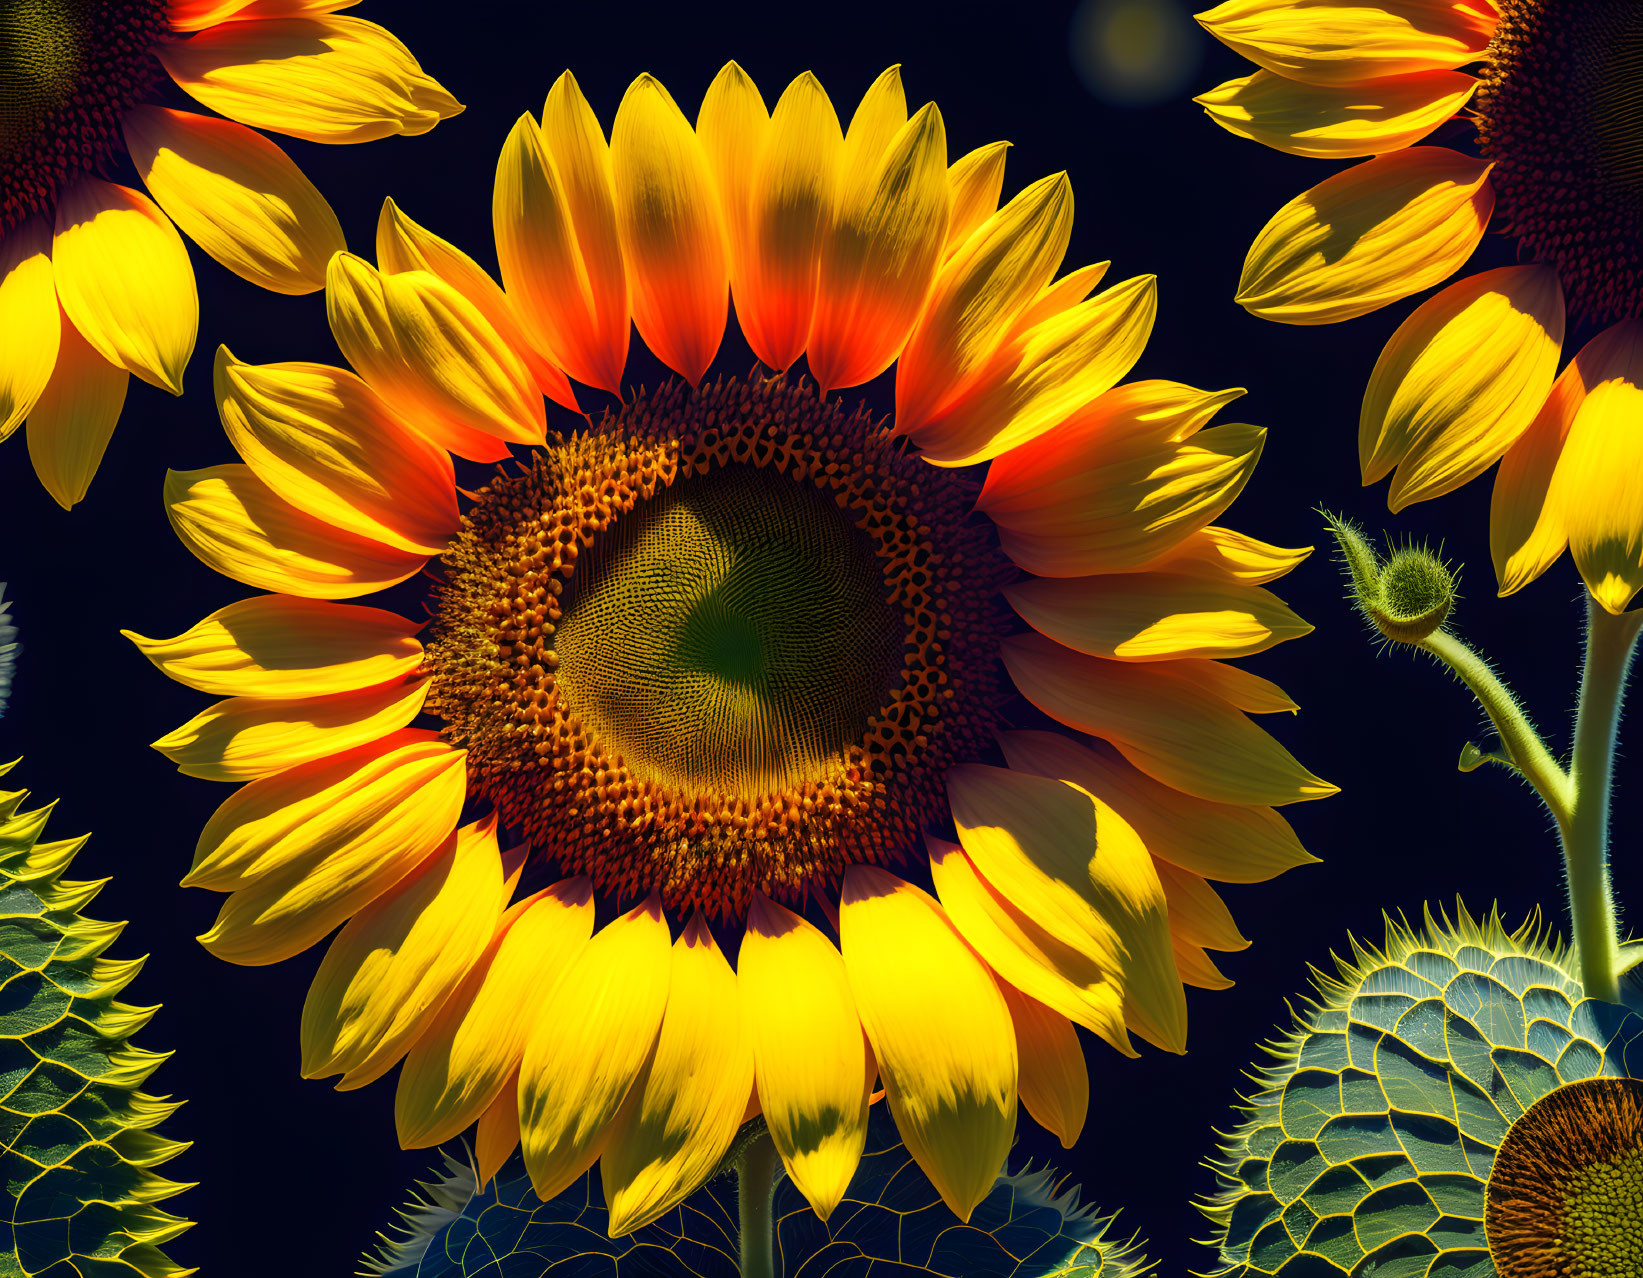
(1406, 597)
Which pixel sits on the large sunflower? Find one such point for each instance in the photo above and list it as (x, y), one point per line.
(735, 655)
(1468, 378)
(95, 283)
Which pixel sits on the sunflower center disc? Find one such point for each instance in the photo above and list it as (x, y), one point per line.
(69, 69)
(1560, 112)
(1565, 1197)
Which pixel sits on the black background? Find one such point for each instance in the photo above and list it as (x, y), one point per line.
(295, 1177)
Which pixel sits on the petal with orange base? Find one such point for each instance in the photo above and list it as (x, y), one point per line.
(732, 125)
(197, 15)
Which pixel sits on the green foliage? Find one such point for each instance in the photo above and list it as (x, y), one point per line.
(892, 1221)
(77, 1145)
(1368, 1146)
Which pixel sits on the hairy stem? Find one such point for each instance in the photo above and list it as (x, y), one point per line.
(756, 1172)
(1610, 642)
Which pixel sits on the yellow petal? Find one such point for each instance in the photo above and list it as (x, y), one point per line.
(881, 255)
(1064, 364)
(1222, 554)
(325, 442)
(235, 524)
(1598, 485)
(303, 882)
(1078, 869)
(248, 737)
(682, 1113)
(74, 418)
(1460, 380)
(1234, 843)
(1196, 968)
(977, 181)
(1234, 685)
(1526, 530)
(391, 968)
(28, 318)
(434, 357)
(878, 118)
(1054, 1086)
(673, 238)
(1357, 241)
(977, 297)
(496, 1135)
(1162, 722)
(1320, 42)
(236, 195)
(1155, 616)
(939, 1028)
(1197, 913)
(1066, 293)
(788, 218)
(569, 285)
(1337, 121)
(406, 245)
(1081, 984)
(124, 278)
(273, 646)
(1116, 505)
(808, 1048)
(732, 125)
(588, 1038)
(350, 809)
(472, 1048)
(323, 78)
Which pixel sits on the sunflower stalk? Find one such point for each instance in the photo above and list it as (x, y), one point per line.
(757, 1168)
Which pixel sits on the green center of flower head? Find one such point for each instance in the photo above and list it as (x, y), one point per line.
(728, 639)
(732, 633)
(69, 69)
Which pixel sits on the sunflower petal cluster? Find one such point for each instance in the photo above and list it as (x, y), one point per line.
(1370, 1142)
(584, 1022)
(96, 285)
(1470, 377)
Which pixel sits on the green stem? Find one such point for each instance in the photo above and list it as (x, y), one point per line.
(756, 1171)
(1610, 641)
(1523, 745)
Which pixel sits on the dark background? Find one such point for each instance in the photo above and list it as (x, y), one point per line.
(295, 1177)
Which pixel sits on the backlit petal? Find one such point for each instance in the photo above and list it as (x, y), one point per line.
(1526, 530)
(977, 181)
(667, 212)
(406, 245)
(940, 1029)
(74, 417)
(1460, 380)
(29, 320)
(589, 1037)
(434, 357)
(395, 963)
(732, 125)
(236, 195)
(1598, 485)
(809, 1052)
(1055, 1085)
(1234, 843)
(1080, 871)
(1225, 555)
(196, 15)
(496, 1135)
(682, 1113)
(1339, 42)
(319, 77)
(247, 737)
(124, 278)
(1197, 913)
(275, 646)
(977, 297)
(472, 1048)
(324, 441)
(1337, 121)
(1378, 232)
(881, 255)
(1162, 722)
(235, 524)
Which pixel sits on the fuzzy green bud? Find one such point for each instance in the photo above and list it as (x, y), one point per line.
(1407, 596)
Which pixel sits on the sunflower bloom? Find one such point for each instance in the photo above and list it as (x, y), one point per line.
(1471, 377)
(733, 658)
(95, 281)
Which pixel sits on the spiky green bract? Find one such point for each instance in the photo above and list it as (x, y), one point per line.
(1406, 597)
(78, 1189)
(891, 1221)
(1368, 1146)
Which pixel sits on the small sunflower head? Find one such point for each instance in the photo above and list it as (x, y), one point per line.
(1410, 1123)
(1406, 596)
